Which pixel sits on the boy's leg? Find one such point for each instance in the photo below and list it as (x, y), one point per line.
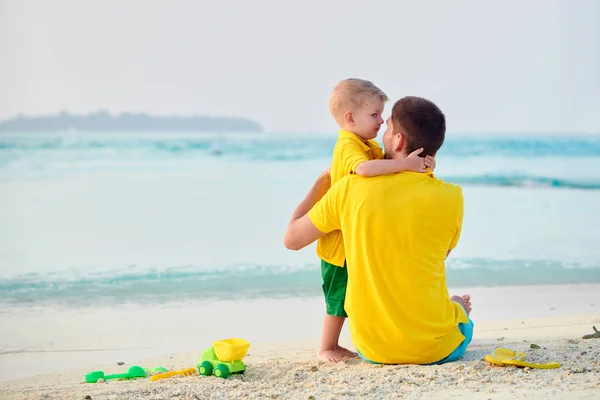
(332, 326)
(335, 280)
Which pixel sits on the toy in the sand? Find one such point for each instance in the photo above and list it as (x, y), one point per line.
(132, 373)
(154, 371)
(503, 357)
(224, 357)
(181, 372)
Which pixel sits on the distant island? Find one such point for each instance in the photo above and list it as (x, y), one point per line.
(104, 121)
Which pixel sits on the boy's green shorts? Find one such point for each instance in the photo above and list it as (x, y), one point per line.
(335, 280)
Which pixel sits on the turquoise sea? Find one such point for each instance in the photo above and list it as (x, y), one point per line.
(103, 218)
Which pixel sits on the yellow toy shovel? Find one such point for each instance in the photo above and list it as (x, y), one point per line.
(181, 372)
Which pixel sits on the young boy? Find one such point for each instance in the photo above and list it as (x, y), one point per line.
(356, 105)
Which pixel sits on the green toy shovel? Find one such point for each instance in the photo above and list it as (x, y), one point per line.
(132, 373)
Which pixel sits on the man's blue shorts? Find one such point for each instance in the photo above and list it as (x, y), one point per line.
(465, 329)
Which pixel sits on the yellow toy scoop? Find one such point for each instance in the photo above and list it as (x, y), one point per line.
(504, 356)
(170, 374)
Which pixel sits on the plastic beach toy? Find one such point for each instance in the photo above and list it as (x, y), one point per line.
(157, 370)
(224, 357)
(181, 372)
(503, 356)
(132, 373)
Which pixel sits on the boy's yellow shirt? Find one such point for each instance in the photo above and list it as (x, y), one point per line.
(349, 151)
(398, 229)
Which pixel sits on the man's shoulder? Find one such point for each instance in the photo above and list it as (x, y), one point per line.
(449, 189)
(344, 185)
(450, 185)
(347, 180)
(446, 185)
(352, 185)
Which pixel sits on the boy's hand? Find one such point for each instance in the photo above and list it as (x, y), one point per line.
(416, 163)
(430, 162)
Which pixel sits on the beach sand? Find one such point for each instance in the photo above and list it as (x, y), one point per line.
(283, 365)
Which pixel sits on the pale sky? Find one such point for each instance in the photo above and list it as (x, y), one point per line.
(504, 66)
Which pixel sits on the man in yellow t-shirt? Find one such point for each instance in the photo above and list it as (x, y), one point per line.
(398, 230)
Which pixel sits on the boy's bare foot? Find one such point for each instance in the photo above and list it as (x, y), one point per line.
(336, 355)
(344, 352)
(330, 350)
(465, 301)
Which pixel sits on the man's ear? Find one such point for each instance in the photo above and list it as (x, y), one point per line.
(349, 117)
(400, 141)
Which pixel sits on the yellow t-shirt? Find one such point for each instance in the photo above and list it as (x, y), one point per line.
(397, 230)
(349, 151)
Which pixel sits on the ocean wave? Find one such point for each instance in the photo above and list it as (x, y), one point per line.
(499, 162)
(185, 283)
(523, 181)
(292, 147)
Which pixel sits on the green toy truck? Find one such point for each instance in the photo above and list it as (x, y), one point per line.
(224, 357)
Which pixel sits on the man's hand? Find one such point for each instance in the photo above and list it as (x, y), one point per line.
(301, 231)
(323, 183)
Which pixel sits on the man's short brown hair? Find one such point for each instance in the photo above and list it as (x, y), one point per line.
(421, 123)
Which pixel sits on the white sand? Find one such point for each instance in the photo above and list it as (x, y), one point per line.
(281, 362)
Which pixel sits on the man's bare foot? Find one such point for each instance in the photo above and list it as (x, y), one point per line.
(465, 301)
(330, 356)
(344, 352)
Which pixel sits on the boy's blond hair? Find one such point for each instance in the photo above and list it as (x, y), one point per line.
(350, 94)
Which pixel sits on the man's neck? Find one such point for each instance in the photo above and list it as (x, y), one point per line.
(397, 155)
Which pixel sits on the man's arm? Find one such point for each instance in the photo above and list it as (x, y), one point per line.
(301, 231)
(459, 222)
